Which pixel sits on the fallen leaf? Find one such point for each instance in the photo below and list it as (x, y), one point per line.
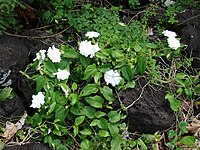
(11, 128)
(194, 126)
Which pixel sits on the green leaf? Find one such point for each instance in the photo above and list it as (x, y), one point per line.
(103, 123)
(181, 82)
(188, 140)
(76, 130)
(180, 76)
(141, 144)
(73, 97)
(95, 101)
(104, 133)
(47, 17)
(36, 120)
(70, 53)
(141, 63)
(94, 122)
(113, 128)
(90, 71)
(52, 107)
(50, 66)
(6, 93)
(86, 131)
(89, 89)
(100, 114)
(197, 89)
(1, 145)
(41, 81)
(61, 113)
(74, 86)
(188, 92)
(171, 134)
(65, 89)
(61, 147)
(130, 85)
(182, 126)
(174, 103)
(97, 77)
(127, 73)
(89, 111)
(107, 93)
(116, 54)
(85, 61)
(115, 143)
(114, 116)
(151, 45)
(79, 120)
(86, 144)
(137, 47)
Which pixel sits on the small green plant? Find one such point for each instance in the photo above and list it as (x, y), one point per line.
(6, 93)
(133, 3)
(177, 138)
(58, 12)
(8, 15)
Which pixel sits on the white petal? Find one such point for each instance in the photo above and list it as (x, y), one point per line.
(173, 43)
(62, 74)
(92, 34)
(169, 33)
(112, 77)
(54, 54)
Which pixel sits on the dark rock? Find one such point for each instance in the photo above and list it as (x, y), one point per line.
(31, 146)
(151, 112)
(13, 58)
(189, 30)
(10, 109)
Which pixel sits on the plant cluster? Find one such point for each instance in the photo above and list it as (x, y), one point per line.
(8, 15)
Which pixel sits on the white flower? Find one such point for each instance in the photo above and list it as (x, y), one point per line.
(169, 33)
(54, 54)
(173, 43)
(112, 77)
(168, 2)
(92, 34)
(86, 48)
(40, 55)
(62, 74)
(37, 100)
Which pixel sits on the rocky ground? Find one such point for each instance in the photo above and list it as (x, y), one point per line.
(148, 111)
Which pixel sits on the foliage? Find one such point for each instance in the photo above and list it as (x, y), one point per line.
(83, 103)
(58, 11)
(133, 3)
(6, 93)
(175, 137)
(7, 13)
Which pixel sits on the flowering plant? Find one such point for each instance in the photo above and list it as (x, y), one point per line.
(77, 85)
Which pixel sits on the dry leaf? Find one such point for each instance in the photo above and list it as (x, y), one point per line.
(11, 128)
(194, 126)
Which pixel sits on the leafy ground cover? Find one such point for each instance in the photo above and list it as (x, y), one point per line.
(108, 74)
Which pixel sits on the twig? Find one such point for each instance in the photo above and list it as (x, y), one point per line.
(134, 17)
(138, 97)
(189, 19)
(35, 37)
